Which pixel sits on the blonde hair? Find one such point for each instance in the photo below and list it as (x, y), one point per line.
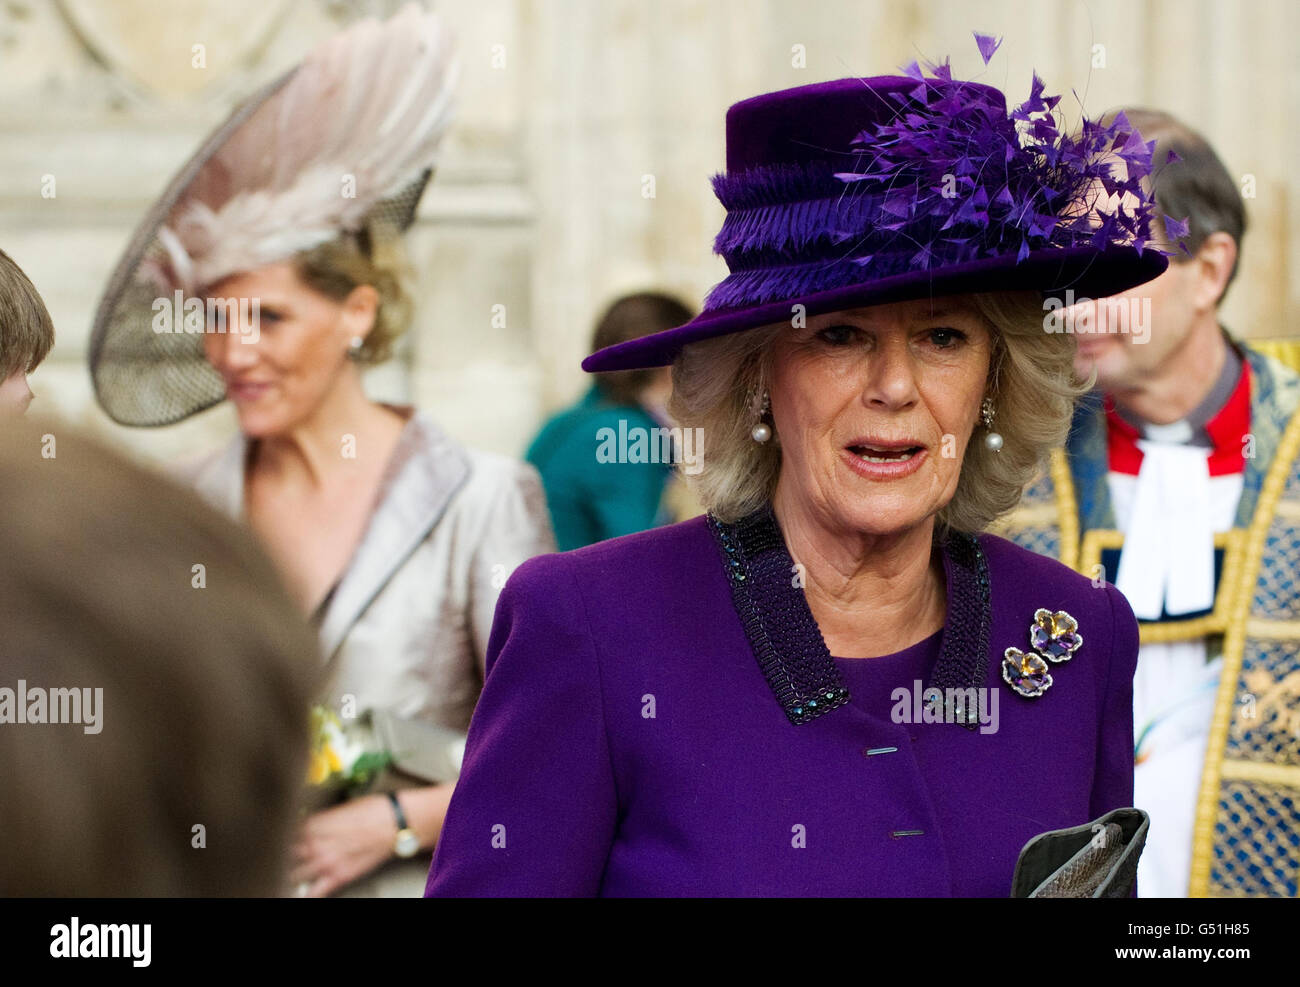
(1031, 383)
(336, 268)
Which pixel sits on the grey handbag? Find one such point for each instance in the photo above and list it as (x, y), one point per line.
(1096, 860)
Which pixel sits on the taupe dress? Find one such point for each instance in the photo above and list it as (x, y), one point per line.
(405, 629)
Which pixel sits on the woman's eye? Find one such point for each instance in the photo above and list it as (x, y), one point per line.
(839, 335)
(946, 339)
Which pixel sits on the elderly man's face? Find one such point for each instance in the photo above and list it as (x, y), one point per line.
(874, 408)
(1163, 308)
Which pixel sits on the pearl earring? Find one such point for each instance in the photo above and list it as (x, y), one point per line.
(993, 440)
(357, 343)
(761, 431)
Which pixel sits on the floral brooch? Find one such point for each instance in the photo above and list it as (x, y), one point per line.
(1053, 636)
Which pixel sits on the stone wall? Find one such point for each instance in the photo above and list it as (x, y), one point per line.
(572, 113)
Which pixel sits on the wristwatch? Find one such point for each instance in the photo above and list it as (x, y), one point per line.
(406, 844)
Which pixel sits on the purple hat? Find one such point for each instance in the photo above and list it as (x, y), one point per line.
(865, 191)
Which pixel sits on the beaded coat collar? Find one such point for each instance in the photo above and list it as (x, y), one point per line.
(788, 643)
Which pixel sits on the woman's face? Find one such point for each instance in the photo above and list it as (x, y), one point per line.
(874, 408)
(278, 373)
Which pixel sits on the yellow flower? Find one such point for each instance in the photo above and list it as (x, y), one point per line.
(324, 762)
(318, 769)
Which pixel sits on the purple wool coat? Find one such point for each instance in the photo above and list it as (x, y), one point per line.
(627, 742)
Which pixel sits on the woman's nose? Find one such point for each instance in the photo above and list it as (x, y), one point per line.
(891, 376)
(231, 350)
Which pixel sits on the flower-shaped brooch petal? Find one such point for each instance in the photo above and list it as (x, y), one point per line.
(1027, 674)
(1054, 636)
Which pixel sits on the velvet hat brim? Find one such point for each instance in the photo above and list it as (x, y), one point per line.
(1088, 272)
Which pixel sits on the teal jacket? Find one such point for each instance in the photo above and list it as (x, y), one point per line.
(590, 499)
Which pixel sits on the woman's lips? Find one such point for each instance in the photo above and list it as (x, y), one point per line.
(243, 392)
(1090, 346)
(884, 462)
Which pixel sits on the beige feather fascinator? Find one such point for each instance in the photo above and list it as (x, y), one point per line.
(344, 143)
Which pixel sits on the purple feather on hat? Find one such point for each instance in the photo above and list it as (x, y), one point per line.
(987, 45)
(949, 177)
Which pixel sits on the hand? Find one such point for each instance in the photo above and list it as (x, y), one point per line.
(339, 845)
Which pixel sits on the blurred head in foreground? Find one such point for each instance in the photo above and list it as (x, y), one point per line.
(155, 683)
(26, 335)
